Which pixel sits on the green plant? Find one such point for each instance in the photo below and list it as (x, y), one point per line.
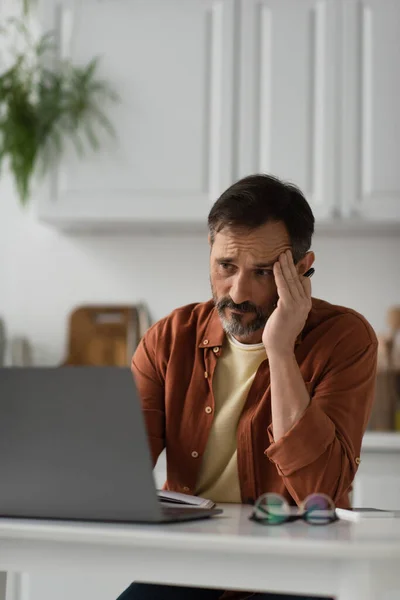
(43, 104)
(26, 6)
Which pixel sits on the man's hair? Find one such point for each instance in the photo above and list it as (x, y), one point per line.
(258, 199)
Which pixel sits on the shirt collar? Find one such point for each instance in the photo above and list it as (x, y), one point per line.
(214, 334)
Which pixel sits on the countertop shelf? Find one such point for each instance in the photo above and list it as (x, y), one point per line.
(381, 441)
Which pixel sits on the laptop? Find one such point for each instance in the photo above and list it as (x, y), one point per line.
(73, 446)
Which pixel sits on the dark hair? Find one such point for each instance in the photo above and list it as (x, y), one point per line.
(257, 199)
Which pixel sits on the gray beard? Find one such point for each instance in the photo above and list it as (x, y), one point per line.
(234, 325)
(236, 328)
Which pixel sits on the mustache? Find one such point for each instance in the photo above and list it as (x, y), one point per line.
(244, 307)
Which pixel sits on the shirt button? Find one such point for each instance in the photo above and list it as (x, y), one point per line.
(358, 460)
(208, 409)
(186, 489)
(216, 349)
(195, 454)
(205, 342)
(206, 374)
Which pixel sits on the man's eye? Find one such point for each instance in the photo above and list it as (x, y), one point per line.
(225, 266)
(264, 272)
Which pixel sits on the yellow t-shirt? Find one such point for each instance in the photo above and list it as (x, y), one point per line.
(234, 373)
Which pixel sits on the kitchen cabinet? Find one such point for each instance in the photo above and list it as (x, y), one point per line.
(370, 115)
(377, 483)
(287, 126)
(212, 90)
(172, 63)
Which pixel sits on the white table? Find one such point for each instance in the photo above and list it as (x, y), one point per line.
(347, 560)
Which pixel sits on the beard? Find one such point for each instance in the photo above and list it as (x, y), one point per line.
(235, 325)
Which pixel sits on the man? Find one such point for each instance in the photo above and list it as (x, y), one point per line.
(264, 388)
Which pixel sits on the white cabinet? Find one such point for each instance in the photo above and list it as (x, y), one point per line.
(371, 109)
(289, 58)
(212, 90)
(377, 483)
(172, 63)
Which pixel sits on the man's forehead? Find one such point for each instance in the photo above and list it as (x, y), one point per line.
(262, 244)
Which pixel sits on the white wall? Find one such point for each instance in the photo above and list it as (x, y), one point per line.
(44, 274)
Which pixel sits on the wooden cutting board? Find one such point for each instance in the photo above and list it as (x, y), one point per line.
(105, 335)
(385, 414)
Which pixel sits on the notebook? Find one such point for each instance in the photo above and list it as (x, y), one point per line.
(359, 514)
(169, 497)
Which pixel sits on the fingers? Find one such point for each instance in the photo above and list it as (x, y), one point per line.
(306, 284)
(281, 283)
(291, 285)
(291, 275)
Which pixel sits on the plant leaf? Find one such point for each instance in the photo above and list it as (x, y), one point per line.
(94, 142)
(40, 108)
(47, 42)
(103, 120)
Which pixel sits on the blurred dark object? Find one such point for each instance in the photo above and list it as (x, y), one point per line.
(15, 351)
(386, 410)
(21, 354)
(2, 343)
(105, 335)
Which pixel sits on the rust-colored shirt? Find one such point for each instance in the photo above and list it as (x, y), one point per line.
(336, 352)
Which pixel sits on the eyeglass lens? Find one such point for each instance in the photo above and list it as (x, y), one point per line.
(318, 509)
(272, 509)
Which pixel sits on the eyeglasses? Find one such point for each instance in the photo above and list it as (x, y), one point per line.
(274, 509)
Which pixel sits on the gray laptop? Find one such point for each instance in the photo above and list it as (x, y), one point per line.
(73, 446)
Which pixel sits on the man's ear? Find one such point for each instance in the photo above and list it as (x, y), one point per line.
(305, 263)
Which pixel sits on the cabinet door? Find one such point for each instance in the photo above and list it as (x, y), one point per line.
(288, 95)
(377, 483)
(172, 65)
(370, 109)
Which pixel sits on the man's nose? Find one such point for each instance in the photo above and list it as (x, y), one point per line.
(240, 290)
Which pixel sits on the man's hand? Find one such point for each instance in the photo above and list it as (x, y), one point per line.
(294, 304)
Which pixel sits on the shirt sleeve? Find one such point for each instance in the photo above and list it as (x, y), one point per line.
(320, 453)
(150, 385)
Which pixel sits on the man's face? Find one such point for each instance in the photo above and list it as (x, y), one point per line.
(242, 279)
